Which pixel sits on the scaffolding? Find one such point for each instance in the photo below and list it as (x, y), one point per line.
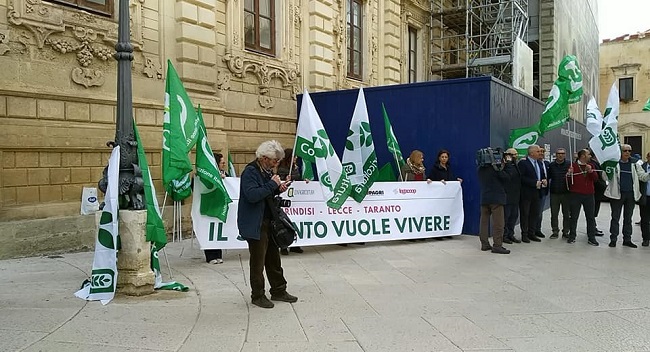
(472, 38)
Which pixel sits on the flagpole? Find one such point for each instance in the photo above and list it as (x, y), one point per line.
(398, 167)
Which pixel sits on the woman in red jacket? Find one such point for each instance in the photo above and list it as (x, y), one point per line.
(580, 178)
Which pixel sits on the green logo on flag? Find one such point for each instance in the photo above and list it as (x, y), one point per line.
(325, 179)
(607, 137)
(350, 168)
(526, 140)
(322, 146)
(102, 280)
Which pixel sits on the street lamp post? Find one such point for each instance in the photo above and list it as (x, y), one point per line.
(130, 182)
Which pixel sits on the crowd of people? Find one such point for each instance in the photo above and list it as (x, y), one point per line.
(519, 189)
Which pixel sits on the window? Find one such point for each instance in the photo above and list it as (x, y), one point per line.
(355, 38)
(104, 7)
(413, 57)
(259, 25)
(626, 89)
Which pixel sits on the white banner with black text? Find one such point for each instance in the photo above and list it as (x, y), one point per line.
(391, 211)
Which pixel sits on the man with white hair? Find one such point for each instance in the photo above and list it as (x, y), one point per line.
(623, 190)
(253, 220)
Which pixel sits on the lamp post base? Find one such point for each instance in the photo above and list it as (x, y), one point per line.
(135, 277)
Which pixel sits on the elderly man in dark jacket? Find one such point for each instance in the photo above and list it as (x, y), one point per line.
(560, 195)
(493, 197)
(258, 186)
(513, 191)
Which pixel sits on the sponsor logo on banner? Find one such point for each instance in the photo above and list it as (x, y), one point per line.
(375, 193)
(291, 192)
(405, 191)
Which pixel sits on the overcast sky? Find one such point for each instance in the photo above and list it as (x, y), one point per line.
(618, 17)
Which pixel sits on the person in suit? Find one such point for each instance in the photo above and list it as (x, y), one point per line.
(531, 183)
(543, 167)
(513, 193)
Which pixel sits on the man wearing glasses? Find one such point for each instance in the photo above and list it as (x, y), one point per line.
(624, 191)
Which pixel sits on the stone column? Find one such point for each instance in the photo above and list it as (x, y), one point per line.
(135, 277)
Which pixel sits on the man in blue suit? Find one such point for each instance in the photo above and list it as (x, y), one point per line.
(531, 184)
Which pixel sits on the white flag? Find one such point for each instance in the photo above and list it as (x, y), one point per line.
(594, 118)
(103, 278)
(359, 159)
(313, 145)
(605, 145)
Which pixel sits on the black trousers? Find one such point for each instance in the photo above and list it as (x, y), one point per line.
(626, 205)
(586, 201)
(265, 256)
(511, 214)
(561, 200)
(211, 254)
(645, 221)
(529, 211)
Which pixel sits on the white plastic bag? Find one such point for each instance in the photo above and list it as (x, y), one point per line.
(89, 201)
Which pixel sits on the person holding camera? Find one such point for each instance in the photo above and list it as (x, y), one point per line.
(289, 161)
(492, 180)
(513, 192)
(254, 222)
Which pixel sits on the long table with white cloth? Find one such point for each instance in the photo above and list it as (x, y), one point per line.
(390, 211)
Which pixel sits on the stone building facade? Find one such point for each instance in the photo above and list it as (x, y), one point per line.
(624, 61)
(244, 61)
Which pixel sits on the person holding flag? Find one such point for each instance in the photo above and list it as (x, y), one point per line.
(258, 183)
(215, 256)
(290, 162)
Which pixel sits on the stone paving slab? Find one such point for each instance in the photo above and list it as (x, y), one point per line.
(436, 295)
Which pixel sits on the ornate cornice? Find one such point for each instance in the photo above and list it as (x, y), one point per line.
(264, 72)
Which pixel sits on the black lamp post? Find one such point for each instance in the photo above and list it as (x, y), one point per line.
(130, 182)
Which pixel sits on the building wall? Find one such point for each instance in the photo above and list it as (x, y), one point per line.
(621, 58)
(569, 28)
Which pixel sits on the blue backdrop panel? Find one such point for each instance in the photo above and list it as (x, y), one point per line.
(460, 115)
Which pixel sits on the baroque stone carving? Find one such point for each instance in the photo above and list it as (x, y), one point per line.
(87, 77)
(85, 46)
(265, 73)
(152, 69)
(223, 80)
(4, 41)
(43, 19)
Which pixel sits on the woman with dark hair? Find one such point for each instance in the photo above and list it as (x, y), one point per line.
(215, 256)
(289, 161)
(441, 170)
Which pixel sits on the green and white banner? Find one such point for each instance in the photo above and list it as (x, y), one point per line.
(180, 133)
(522, 138)
(359, 159)
(313, 145)
(103, 279)
(391, 211)
(605, 144)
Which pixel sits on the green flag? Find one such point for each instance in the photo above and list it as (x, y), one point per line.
(214, 202)
(307, 170)
(569, 72)
(522, 138)
(313, 145)
(604, 144)
(359, 159)
(391, 141)
(646, 107)
(180, 132)
(556, 112)
(155, 229)
(386, 174)
(231, 166)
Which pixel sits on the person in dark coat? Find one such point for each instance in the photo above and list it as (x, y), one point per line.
(513, 192)
(560, 195)
(531, 183)
(441, 170)
(289, 161)
(491, 180)
(644, 205)
(257, 184)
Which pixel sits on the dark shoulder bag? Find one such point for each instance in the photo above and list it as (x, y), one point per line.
(282, 231)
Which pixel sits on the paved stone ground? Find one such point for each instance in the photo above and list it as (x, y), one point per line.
(438, 295)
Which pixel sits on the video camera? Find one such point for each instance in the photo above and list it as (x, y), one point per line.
(489, 157)
(281, 202)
